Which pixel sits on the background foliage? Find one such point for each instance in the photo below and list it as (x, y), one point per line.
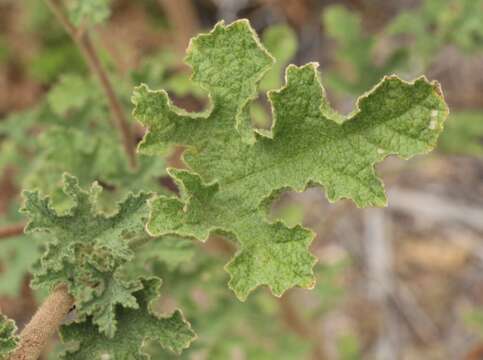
(397, 281)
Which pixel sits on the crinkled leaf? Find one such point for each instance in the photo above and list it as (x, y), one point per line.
(235, 172)
(135, 328)
(8, 339)
(87, 249)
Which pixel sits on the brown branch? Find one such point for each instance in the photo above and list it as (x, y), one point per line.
(11, 230)
(83, 41)
(35, 336)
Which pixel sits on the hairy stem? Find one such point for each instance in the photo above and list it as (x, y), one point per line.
(84, 42)
(11, 230)
(35, 336)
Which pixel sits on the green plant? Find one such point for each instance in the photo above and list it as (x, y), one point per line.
(8, 339)
(440, 23)
(105, 240)
(229, 160)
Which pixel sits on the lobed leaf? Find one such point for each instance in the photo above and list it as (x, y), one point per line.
(87, 250)
(135, 328)
(235, 171)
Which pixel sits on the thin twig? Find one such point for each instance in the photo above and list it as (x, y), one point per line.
(11, 230)
(83, 41)
(35, 336)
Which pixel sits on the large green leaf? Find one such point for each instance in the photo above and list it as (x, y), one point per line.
(235, 172)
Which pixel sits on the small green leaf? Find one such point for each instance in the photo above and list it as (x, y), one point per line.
(135, 328)
(8, 339)
(87, 249)
(235, 172)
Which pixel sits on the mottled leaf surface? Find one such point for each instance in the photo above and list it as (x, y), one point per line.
(135, 328)
(87, 249)
(234, 171)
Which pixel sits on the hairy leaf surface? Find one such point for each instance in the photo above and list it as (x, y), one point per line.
(87, 250)
(234, 171)
(135, 328)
